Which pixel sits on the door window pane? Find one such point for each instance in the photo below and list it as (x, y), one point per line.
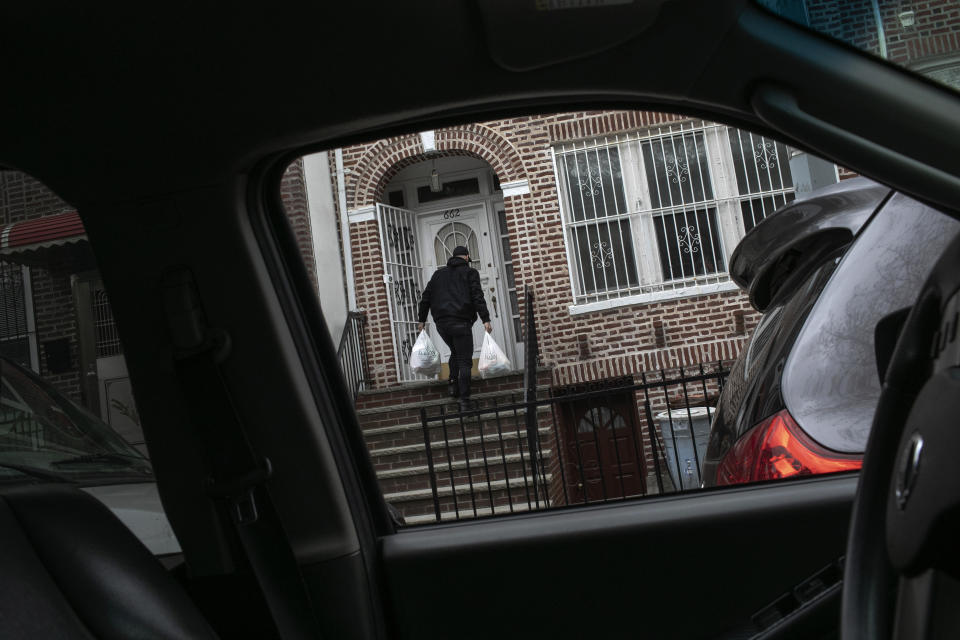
(453, 189)
(451, 236)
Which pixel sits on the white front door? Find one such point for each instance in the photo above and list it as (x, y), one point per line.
(441, 232)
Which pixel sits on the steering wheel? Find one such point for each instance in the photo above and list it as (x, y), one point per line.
(902, 569)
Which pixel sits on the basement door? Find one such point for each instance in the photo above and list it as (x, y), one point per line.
(603, 449)
(441, 232)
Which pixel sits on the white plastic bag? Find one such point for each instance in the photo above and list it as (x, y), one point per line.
(424, 359)
(493, 361)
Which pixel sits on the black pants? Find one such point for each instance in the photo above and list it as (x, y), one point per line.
(459, 338)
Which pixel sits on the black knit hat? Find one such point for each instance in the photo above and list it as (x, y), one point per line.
(461, 251)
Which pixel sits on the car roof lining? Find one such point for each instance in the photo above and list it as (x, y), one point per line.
(159, 146)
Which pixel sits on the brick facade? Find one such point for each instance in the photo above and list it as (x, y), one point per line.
(589, 346)
(293, 193)
(913, 31)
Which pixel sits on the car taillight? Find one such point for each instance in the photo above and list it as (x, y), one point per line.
(778, 448)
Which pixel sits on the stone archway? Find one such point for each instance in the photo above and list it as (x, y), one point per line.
(369, 174)
(386, 158)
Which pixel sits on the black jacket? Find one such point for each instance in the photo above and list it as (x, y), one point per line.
(454, 295)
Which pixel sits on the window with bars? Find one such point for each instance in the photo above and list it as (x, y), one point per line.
(656, 214)
(17, 336)
(108, 338)
(600, 234)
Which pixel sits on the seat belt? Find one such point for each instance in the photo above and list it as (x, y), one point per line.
(237, 476)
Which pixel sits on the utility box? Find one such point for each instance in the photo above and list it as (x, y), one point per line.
(810, 173)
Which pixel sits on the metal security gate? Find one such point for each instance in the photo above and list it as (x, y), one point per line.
(403, 275)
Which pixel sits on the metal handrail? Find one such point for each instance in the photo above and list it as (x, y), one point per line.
(352, 352)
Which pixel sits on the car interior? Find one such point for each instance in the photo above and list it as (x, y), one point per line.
(169, 128)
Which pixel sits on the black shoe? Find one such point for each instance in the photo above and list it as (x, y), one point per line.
(453, 389)
(466, 404)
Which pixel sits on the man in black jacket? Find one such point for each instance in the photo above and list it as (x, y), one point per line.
(455, 298)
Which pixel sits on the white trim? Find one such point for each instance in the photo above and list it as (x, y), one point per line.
(653, 296)
(564, 226)
(362, 214)
(329, 260)
(516, 188)
(429, 140)
(345, 231)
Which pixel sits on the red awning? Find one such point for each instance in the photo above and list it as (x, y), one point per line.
(49, 231)
(53, 242)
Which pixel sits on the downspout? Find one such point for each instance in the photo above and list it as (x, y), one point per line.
(881, 34)
(345, 232)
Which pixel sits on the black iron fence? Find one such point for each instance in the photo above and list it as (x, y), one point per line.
(352, 352)
(584, 444)
(20, 430)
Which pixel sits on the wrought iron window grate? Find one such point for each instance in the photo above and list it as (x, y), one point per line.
(660, 210)
(108, 338)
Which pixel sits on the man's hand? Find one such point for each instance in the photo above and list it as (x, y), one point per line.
(488, 327)
(420, 326)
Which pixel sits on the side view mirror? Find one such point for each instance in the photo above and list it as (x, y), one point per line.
(885, 337)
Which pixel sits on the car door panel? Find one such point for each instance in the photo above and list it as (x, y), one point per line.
(694, 564)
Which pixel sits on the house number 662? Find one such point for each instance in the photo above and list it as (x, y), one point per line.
(452, 213)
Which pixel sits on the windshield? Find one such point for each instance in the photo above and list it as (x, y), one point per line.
(45, 436)
(920, 35)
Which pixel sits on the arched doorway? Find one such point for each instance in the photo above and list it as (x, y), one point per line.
(460, 204)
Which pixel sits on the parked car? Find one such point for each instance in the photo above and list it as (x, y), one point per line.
(824, 272)
(45, 436)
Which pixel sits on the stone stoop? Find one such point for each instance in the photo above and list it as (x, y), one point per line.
(481, 460)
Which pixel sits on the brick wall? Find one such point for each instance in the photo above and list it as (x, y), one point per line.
(620, 341)
(24, 198)
(934, 31)
(293, 194)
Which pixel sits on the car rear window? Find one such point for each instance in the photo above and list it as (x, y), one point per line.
(831, 385)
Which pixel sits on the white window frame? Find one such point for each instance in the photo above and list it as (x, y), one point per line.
(726, 202)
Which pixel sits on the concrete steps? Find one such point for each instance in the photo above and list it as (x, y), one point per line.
(488, 448)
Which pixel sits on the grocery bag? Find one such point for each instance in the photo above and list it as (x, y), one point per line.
(493, 361)
(424, 359)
